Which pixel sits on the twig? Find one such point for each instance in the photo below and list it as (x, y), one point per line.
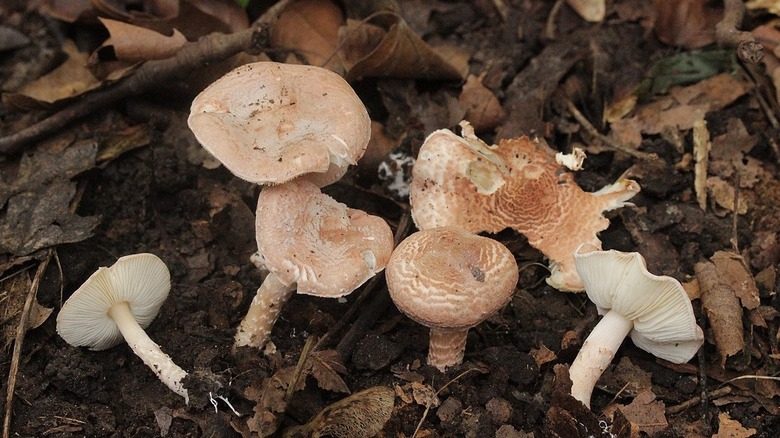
(21, 330)
(735, 213)
(191, 56)
(716, 393)
(609, 143)
(727, 33)
(550, 29)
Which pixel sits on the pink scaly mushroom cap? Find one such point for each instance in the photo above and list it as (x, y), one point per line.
(462, 181)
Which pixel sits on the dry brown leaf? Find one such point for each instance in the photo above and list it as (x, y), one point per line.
(542, 355)
(686, 23)
(68, 11)
(646, 412)
(483, 110)
(733, 272)
(679, 109)
(626, 379)
(134, 43)
(311, 28)
(126, 11)
(369, 50)
(723, 311)
(325, 366)
(723, 194)
(13, 293)
(361, 415)
(692, 289)
(728, 428)
(771, 6)
(590, 10)
(72, 78)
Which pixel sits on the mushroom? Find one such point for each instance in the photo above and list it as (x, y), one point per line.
(310, 242)
(269, 123)
(654, 310)
(450, 280)
(462, 181)
(117, 303)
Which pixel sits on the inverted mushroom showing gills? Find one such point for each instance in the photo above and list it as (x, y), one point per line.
(117, 303)
(269, 123)
(654, 310)
(310, 242)
(462, 181)
(450, 280)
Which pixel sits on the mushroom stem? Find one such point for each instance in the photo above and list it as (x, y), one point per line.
(255, 329)
(446, 347)
(596, 353)
(160, 363)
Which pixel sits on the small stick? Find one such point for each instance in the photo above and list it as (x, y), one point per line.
(609, 143)
(21, 330)
(207, 50)
(727, 33)
(717, 393)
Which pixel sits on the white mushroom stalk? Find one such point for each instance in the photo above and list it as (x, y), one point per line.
(446, 348)
(654, 310)
(117, 303)
(255, 328)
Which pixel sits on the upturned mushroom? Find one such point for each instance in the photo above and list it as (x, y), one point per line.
(654, 310)
(450, 280)
(269, 122)
(117, 303)
(311, 243)
(462, 181)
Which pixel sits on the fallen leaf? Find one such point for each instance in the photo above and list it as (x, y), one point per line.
(626, 379)
(40, 219)
(723, 193)
(72, 78)
(325, 366)
(361, 415)
(11, 39)
(483, 110)
(590, 10)
(646, 412)
(13, 294)
(723, 311)
(686, 23)
(728, 428)
(701, 153)
(68, 11)
(542, 355)
(369, 50)
(771, 6)
(311, 27)
(134, 43)
(733, 272)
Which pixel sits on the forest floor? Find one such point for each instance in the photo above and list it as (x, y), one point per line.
(130, 177)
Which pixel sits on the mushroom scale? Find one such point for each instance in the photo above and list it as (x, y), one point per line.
(270, 122)
(450, 280)
(461, 181)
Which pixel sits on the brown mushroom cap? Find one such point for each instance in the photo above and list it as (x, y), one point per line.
(461, 181)
(448, 278)
(269, 123)
(308, 238)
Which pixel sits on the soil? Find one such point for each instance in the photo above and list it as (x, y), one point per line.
(161, 199)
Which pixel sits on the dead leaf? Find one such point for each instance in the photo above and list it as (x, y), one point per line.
(646, 412)
(771, 6)
(626, 379)
(126, 11)
(590, 10)
(72, 78)
(542, 355)
(483, 110)
(424, 395)
(325, 366)
(686, 23)
(732, 272)
(369, 50)
(723, 311)
(679, 109)
(13, 294)
(723, 193)
(40, 219)
(311, 27)
(45, 166)
(11, 39)
(134, 43)
(728, 428)
(361, 415)
(701, 153)
(68, 11)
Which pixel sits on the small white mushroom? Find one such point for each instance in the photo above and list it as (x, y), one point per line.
(117, 303)
(450, 280)
(654, 310)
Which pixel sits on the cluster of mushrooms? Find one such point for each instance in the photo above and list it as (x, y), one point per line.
(264, 122)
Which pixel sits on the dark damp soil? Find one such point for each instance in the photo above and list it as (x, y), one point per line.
(200, 221)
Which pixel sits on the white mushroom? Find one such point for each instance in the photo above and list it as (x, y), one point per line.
(118, 303)
(450, 280)
(654, 310)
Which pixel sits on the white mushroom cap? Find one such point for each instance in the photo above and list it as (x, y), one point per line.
(141, 280)
(269, 123)
(663, 320)
(307, 238)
